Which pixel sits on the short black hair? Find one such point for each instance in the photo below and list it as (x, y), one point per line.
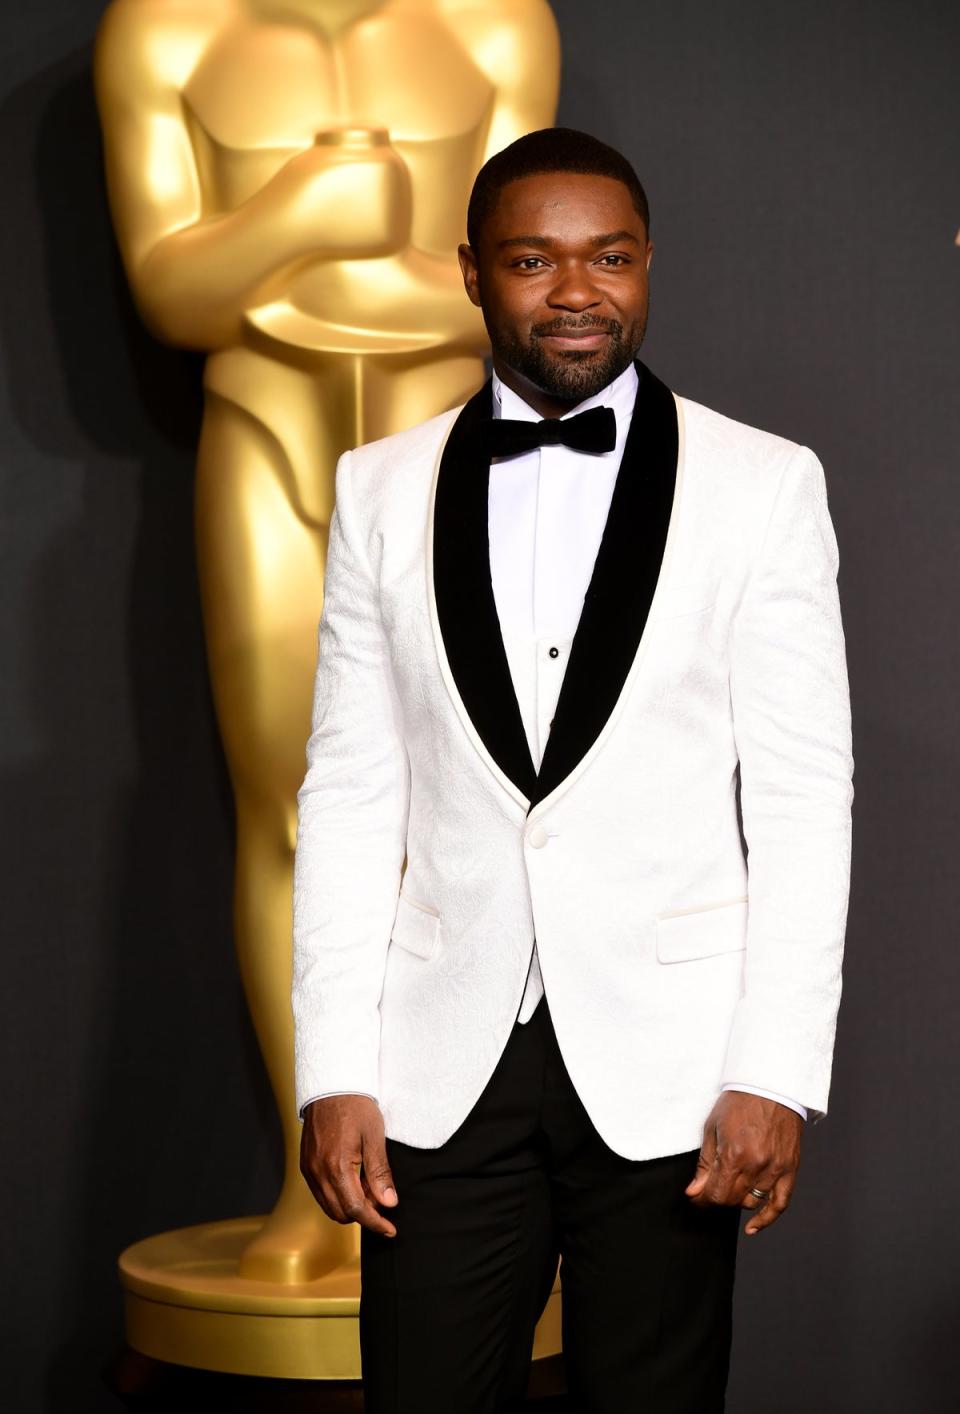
(549, 150)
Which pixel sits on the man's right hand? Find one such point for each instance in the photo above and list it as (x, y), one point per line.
(343, 1157)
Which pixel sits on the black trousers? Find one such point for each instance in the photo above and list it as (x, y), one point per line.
(448, 1306)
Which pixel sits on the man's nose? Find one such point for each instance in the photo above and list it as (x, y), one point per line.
(574, 290)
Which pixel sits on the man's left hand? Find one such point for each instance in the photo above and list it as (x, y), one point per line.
(748, 1142)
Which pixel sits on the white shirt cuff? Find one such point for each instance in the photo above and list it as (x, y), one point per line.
(770, 1095)
(327, 1093)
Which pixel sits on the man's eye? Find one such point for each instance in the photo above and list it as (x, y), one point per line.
(613, 259)
(529, 262)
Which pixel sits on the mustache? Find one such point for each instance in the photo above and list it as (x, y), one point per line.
(584, 321)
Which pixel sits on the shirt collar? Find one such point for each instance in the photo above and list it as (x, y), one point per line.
(620, 395)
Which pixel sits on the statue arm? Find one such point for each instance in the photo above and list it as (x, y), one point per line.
(516, 45)
(193, 273)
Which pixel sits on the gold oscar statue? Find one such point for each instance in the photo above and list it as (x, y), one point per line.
(288, 180)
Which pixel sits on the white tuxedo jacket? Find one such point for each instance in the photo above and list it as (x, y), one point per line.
(430, 853)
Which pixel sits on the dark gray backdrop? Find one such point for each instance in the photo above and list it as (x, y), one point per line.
(802, 167)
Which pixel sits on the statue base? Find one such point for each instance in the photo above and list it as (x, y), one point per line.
(186, 1305)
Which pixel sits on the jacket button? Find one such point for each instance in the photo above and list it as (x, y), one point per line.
(538, 837)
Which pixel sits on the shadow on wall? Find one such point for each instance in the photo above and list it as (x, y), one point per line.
(143, 1103)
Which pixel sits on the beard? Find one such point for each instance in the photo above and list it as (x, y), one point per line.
(569, 375)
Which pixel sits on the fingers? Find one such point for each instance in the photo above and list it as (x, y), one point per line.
(724, 1183)
(728, 1185)
(376, 1170)
(776, 1205)
(732, 1174)
(763, 1183)
(706, 1162)
(351, 1204)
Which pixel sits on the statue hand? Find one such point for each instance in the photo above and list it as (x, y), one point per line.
(345, 199)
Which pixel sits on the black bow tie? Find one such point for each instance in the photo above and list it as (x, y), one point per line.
(591, 431)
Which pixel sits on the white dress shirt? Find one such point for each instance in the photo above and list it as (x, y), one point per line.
(546, 510)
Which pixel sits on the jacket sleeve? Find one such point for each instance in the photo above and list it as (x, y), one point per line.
(351, 830)
(791, 715)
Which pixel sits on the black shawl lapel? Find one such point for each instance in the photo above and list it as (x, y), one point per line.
(615, 606)
(621, 588)
(466, 608)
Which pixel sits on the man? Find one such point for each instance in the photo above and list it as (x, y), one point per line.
(542, 1001)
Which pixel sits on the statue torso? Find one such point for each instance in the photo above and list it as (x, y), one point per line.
(403, 70)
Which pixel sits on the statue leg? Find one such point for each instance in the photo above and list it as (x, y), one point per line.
(267, 454)
(261, 576)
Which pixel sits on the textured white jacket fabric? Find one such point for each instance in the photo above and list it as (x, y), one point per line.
(672, 964)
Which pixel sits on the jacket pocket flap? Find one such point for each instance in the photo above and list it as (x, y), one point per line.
(685, 934)
(416, 927)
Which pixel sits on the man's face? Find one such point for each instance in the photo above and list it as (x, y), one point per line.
(561, 277)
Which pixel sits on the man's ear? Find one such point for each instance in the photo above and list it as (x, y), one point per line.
(470, 272)
(649, 253)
